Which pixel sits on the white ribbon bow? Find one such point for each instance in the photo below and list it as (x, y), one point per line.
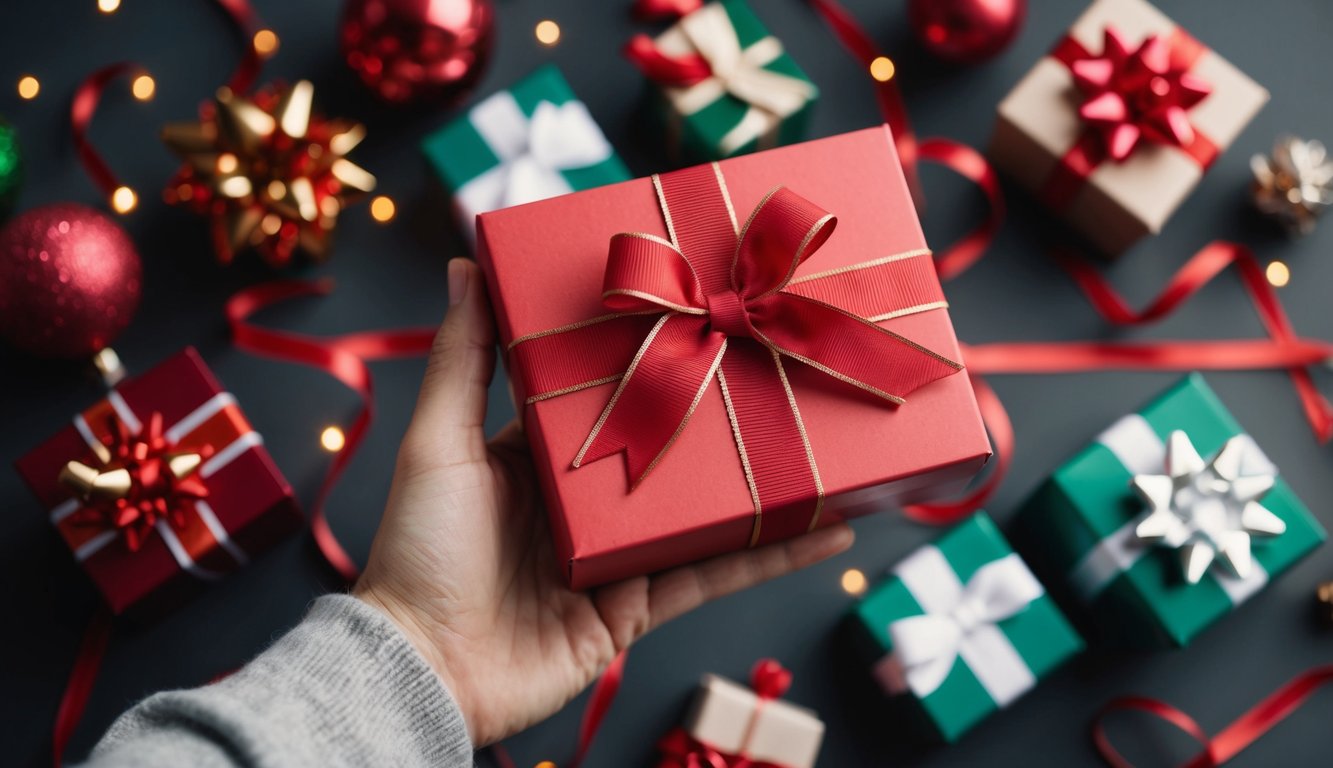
(962, 624)
(532, 151)
(739, 72)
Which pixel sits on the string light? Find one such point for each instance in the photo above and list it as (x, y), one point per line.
(143, 87)
(882, 69)
(108, 6)
(548, 32)
(853, 581)
(124, 200)
(266, 42)
(29, 87)
(1278, 274)
(382, 209)
(545, 764)
(332, 439)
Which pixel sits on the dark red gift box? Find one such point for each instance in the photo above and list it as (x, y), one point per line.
(575, 299)
(231, 504)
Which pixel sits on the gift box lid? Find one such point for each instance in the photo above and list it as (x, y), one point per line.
(1089, 501)
(544, 265)
(1036, 639)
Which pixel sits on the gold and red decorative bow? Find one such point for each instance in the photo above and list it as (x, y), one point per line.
(1142, 94)
(268, 171)
(720, 301)
(139, 479)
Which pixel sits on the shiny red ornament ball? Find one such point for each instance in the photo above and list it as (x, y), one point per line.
(417, 50)
(966, 31)
(69, 281)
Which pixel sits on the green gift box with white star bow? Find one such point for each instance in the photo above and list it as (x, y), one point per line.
(961, 629)
(1170, 519)
(530, 142)
(738, 90)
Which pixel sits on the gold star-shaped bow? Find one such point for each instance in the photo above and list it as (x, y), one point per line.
(1206, 511)
(268, 171)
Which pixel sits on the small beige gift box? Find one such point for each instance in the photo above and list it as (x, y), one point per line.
(733, 720)
(1118, 202)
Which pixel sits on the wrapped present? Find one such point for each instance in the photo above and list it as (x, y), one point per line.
(1116, 126)
(761, 381)
(160, 485)
(962, 628)
(727, 86)
(1169, 520)
(730, 726)
(533, 141)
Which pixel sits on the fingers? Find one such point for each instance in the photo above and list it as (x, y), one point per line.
(452, 403)
(681, 590)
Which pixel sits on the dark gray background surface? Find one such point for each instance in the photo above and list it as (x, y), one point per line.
(393, 276)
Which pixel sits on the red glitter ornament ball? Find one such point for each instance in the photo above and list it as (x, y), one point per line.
(416, 50)
(69, 281)
(966, 31)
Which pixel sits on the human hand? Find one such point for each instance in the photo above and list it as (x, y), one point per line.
(463, 561)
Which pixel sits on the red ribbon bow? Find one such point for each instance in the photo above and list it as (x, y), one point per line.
(718, 298)
(1130, 96)
(142, 478)
(1136, 95)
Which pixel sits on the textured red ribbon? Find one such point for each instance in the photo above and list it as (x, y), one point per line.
(1129, 97)
(717, 302)
(1233, 739)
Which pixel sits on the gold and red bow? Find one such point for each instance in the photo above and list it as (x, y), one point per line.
(1130, 96)
(140, 478)
(716, 300)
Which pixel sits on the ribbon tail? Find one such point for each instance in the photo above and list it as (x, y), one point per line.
(848, 348)
(658, 394)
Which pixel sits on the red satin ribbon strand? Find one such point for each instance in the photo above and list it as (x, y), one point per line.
(82, 108)
(599, 704)
(341, 357)
(971, 165)
(673, 71)
(92, 649)
(242, 15)
(652, 10)
(1233, 739)
(858, 43)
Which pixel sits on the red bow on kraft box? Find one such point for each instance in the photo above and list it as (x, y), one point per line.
(161, 484)
(731, 727)
(748, 360)
(1119, 123)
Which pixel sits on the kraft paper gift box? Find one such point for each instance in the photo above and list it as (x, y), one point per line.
(962, 628)
(762, 452)
(1044, 143)
(225, 501)
(1083, 522)
(754, 95)
(743, 726)
(530, 142)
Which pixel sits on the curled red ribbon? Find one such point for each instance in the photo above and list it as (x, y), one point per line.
(1233, 739)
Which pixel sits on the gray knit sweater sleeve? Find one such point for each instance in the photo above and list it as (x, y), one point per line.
(343, 688)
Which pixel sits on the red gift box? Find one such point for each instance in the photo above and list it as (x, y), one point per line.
(228, 503)
(575, 308)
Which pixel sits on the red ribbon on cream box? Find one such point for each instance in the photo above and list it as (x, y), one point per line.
(763, 373)
(1119, 123)
(161, 484)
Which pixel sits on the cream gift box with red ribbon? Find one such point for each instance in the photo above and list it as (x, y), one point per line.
(1115, 134)
(161, 485)
(729, 355)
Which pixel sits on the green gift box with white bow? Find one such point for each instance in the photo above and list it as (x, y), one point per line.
(962, 628)
(1170, 519)
(530, 142)
(745, 91)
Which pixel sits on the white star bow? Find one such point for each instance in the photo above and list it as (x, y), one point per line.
(1207, 511)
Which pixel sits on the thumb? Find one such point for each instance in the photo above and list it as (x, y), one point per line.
(452, 405)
